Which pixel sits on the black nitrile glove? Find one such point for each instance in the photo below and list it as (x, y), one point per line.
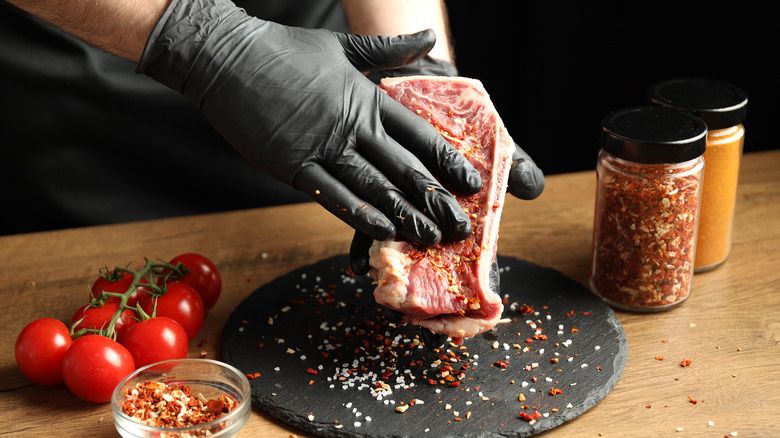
(425, 66)
(526, 180)
(295, 103)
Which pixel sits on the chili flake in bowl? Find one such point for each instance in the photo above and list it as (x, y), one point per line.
(182, 398)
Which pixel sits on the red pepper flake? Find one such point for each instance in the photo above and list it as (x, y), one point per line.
(685, 363)
(692, 400)
(555, 391)
(525, 310)
(659, 358)
(529, 341)
(529, 417)
(311, 371)
(454, 383)
(173, 406)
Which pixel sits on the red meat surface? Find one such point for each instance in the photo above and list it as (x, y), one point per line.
(446, 288)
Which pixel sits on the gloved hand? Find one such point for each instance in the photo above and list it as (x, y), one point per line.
(526, 180)
(295, 103)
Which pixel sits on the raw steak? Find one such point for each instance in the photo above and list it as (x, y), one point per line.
(445, 288)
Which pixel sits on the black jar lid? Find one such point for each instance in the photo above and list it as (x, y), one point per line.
(720, 104)
(653, 135)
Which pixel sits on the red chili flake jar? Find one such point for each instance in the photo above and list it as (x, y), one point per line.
(649, 174)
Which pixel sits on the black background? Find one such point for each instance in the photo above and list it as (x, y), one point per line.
(554, 69)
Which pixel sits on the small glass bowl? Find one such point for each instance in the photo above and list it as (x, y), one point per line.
(207, 377)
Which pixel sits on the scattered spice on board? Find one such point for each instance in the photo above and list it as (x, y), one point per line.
(369, 351)
(172, 406)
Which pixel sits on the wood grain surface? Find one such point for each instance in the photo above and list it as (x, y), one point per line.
(729, 328)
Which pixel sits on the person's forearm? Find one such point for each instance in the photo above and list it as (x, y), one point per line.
(391, 18)
(118, 26)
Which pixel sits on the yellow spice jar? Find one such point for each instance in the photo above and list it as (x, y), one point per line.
(723, 107)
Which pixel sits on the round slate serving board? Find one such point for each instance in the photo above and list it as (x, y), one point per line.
(325, 358)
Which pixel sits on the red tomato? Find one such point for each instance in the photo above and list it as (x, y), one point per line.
(40, 350)
(119, 286)
(181, 303)
(99, 317)
(114, 283)
(94, 365)
(202, 275)
(138, 293)
(154, 340)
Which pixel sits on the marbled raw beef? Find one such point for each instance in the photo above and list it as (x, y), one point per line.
(446, 288)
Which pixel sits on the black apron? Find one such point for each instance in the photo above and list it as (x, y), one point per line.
(85, 140)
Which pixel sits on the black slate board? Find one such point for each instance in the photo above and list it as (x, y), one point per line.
(299, 333)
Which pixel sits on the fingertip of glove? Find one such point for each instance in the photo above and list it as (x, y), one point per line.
(423, 37)
(527, 180)
(359, 265)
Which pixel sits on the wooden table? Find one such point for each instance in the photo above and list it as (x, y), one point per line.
(729, 328)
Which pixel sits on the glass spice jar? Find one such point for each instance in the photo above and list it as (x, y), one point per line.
(723, 107)
(649, 175)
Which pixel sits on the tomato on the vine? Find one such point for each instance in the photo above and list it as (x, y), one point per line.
(202, 275)
(119, 285)
(181, 303)
(94, 365)
(99, 316)
(154, 340)
(40, 350)
(111, 282)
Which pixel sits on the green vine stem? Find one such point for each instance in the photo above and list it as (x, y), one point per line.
(151, 272)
